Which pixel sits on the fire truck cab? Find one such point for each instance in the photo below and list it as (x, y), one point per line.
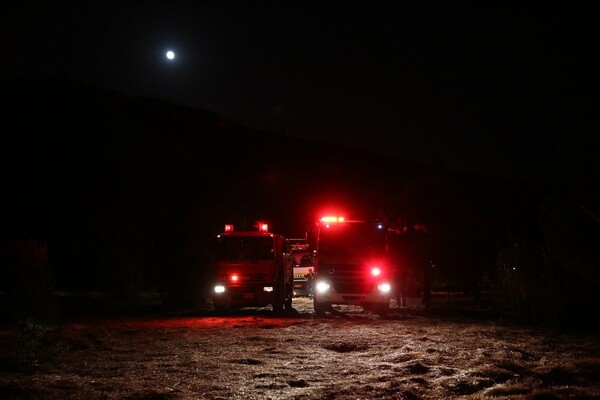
(253, 269)
(352, 265)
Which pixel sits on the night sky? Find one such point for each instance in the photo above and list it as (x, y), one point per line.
(508, 90)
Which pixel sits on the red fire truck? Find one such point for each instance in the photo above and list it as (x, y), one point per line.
(253, 269)
(351, 265)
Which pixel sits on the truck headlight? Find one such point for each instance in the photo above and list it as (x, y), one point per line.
(323, 287)
(268, 288)
(219, 289)
(384, 287)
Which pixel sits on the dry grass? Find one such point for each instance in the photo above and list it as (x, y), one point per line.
(256, 355)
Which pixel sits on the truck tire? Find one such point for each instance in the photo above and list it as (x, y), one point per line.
(289, 296)
(279, 298)
(320, 308)
(381, 309)
(219, 310)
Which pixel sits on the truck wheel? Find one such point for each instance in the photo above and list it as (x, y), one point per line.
(381, 309)
(219, 309)
(279, 299)
(320, 308)
(289, 297)
(288, 304)
(277, 307)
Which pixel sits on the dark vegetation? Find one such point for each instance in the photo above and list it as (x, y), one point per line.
(104, 192)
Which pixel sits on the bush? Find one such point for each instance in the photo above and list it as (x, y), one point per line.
(553, 277)
(524, 275)
(27, 282)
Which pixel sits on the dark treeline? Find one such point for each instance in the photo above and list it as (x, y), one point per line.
(124, 195)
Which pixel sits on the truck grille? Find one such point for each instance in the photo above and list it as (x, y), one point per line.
(253, 278)
(349, 278)
(250, 278)
(352, 287)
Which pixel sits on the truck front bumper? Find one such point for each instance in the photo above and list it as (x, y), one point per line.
(244, 296)
(353, 298)
(378, 294)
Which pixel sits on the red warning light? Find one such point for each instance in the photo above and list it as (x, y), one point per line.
(234, 278)
(331, 219)
(228, 228)
(261, 226)
(375, 271)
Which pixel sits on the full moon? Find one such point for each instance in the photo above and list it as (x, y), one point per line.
(170, 55)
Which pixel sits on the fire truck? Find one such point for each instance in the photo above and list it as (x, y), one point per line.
(303, 263)
(253, 269)
(352, 265)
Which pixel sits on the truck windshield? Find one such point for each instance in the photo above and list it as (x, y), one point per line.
(245, 248)
(352, 239)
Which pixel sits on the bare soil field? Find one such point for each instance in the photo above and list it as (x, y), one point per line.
(254, 354)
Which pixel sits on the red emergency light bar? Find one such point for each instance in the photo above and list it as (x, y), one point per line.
(228, 228)
(263, 227)
(332, 219)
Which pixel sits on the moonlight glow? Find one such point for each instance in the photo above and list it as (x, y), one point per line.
(170, 55)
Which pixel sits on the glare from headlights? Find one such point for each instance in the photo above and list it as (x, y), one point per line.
(322, 287)
(219, 289)
(384, 287)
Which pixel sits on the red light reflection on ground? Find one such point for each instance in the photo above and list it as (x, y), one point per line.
(200, 322)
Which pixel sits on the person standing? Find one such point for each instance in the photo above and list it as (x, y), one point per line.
(310, 277)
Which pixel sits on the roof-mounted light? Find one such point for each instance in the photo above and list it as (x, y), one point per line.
(228, 228)
(263, 227)
(329, 219)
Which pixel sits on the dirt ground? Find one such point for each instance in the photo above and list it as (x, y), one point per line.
(253, 354)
